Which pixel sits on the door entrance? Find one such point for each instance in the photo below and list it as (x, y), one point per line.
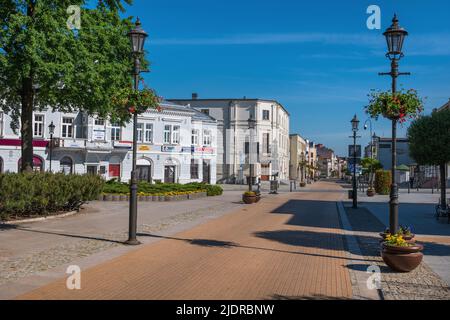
(206, 172)
(169, 174)
(143, 173)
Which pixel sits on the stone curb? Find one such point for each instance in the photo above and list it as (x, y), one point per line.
(118, 198)
(358, 277)
(64, 215)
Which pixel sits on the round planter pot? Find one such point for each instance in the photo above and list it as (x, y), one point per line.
(402, 259)
(370, 193)
(302, 184)
(249, 199)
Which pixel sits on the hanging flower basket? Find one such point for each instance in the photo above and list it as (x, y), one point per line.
(128, 101)
(400, 106)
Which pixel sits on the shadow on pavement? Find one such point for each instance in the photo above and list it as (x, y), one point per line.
(19, 228)
(230, 245)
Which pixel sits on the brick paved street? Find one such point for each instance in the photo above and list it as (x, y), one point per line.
(289, 246)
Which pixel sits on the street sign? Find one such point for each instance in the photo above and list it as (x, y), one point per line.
(352, 161)
(351, 151)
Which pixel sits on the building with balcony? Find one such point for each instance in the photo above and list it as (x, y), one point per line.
(270, 137)
(175, 144)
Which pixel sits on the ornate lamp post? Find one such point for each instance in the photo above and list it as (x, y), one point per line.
(355, 124)
(395, 36)
(51, 130)
(251, 127)
(137, 39)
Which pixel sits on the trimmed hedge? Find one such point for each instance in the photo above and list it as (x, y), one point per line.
(28, 194)
(115, 187)
(383, 180)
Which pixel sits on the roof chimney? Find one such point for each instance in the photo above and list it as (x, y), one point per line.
(194, 96)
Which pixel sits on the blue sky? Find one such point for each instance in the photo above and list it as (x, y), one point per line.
(317, 58)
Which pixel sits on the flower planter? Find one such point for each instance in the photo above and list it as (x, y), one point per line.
(302, 184)
(249, 199)
(402, 259)
(370, 192)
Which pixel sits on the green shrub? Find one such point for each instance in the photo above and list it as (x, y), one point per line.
(213, 190)
(27, 194)
(115, 187)
(383, 182)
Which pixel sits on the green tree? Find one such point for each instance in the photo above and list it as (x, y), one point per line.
(371, 166)
(45, 64)
(429, 143)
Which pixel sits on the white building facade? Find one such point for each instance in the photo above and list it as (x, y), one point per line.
(175, 145)
(269, 138)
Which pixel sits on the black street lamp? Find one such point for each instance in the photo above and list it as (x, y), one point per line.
(395, 36)
(51, 130)
(251, 127)
(355, 124)
(137, 38)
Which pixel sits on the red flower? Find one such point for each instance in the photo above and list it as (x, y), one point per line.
(132, 109)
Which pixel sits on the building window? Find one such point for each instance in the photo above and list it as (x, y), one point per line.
(149, 133)
(171, 134)
(116, 131)
(67, 128)
(66, 165)
(206, 137)
(194, 169)
(205, 111)
(266, 144)
(167, 134)
(175, 134)
(266, 115)
(139, 128)
(194, 139)
(38, 129)
(99, 122)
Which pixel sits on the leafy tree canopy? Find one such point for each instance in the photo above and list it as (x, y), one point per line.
(429, 139)
(69, 69)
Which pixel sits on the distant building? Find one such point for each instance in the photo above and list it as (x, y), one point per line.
(383, 147)
(271, 137)
(328, 161)
(298, 161)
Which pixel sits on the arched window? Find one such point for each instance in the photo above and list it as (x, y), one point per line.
(66, 165)
(38, 164)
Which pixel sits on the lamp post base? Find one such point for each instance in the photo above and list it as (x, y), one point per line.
(132, 242)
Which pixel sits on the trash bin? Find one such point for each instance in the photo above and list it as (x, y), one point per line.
(273, 186)
(350, 194)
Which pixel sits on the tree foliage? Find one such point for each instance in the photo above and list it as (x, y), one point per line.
(45, 64)
(429, 139)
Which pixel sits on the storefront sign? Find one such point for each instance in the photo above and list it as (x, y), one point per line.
(204, 150)
(98, 135)
(144, 148)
